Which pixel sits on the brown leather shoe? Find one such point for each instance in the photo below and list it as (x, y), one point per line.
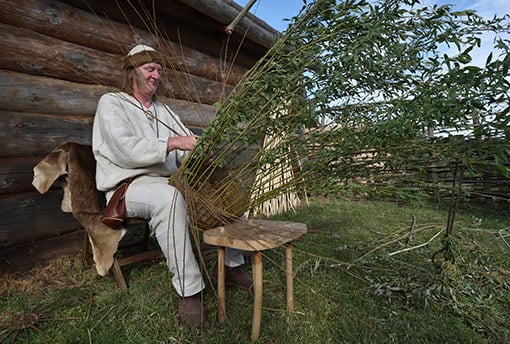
(191, 310)
(235, 277)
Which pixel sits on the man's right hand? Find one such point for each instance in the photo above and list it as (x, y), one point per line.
(185, 143)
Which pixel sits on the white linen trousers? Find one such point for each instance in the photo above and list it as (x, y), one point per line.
(153, 199)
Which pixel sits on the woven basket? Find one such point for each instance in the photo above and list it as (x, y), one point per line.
(214, 202)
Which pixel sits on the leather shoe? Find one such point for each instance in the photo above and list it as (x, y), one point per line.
(191, 310)
(235, 277)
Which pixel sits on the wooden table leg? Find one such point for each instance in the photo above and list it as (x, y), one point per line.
(290, 278)
(257, 286)
(222, 309)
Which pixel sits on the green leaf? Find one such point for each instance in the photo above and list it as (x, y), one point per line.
(464, 58)
(502, 170)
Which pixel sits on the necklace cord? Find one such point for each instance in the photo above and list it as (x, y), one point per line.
(150, 114)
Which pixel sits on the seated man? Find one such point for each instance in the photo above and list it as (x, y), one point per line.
(136, 136)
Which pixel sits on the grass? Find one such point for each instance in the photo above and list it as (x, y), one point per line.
(348, 289)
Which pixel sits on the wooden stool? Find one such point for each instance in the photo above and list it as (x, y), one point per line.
(145, 255)
(139, 257)
(255, 236)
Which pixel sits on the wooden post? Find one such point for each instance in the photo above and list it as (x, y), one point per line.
(257, 286)
(230, 28)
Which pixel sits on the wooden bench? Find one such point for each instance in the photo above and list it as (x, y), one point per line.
(255, 236)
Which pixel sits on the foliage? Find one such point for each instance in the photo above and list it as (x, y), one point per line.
(365, 91)
(380, 81)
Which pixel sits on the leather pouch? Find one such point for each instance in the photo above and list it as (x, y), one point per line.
(114, 214)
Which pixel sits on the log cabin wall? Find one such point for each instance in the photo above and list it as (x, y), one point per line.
(59, 57)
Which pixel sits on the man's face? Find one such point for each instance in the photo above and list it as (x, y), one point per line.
(147, 78)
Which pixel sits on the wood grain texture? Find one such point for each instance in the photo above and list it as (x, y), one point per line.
(254, 235)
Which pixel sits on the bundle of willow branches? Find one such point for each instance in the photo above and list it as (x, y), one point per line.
(374, 76)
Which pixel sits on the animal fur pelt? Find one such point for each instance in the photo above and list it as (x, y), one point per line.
(75, 165)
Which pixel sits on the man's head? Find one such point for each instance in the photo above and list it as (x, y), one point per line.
(143, 66)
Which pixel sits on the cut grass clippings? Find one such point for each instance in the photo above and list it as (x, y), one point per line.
(348, 288)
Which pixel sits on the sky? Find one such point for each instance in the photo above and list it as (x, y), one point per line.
(274, 12)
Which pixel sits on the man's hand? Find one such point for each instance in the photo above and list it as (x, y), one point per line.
(185, 143)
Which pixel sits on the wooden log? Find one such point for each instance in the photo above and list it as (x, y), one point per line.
(43, 55)
(59, 20)
(30, 216)
(194, 89)
(68, 23)
(28, 134)
(16, 174)
(225, 11)
(24, 256)
(40, 133)
(187, 60)
(180, 23)
(193, 115)
(27, 93)
(190, 24)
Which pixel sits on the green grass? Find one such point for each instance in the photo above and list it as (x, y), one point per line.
(348, 289)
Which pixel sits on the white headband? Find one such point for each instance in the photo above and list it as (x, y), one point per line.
(139, 48)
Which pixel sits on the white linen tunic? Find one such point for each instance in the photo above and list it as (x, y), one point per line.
(128, 143)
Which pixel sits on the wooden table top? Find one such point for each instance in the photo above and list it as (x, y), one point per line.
(254, 235)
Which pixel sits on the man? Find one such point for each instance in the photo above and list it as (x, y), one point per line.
(136, 136)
